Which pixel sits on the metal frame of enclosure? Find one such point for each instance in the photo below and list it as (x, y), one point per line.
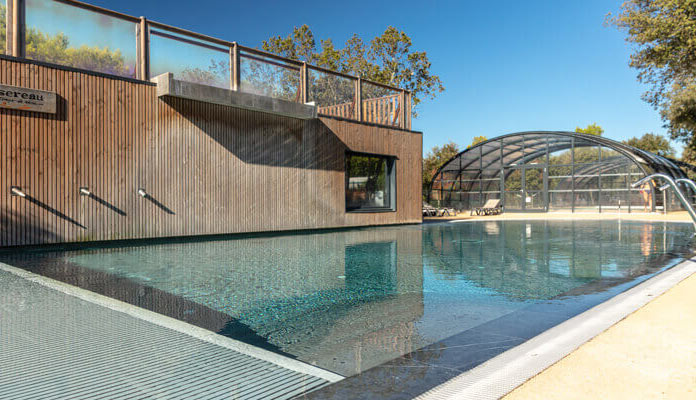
(335, 94)
(543, 171)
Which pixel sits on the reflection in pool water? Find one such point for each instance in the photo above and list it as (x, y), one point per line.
(350, 300)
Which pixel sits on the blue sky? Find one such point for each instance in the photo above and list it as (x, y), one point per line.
(507, 65)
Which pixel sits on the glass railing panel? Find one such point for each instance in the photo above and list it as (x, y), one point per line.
(381, 105)
(75, 37)
(189, 59)
(267, 76)
(3, 27)
(333, 94)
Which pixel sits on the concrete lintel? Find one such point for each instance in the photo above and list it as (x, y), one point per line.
(168, 86)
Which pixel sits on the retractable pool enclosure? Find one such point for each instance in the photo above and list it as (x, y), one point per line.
(544, 171)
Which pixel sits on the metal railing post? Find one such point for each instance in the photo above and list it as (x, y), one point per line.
(304, 84)
(358, 99)
(143, 50)
(16, 26)
(407, 118)
(9, 28)
(234, 67)
(402, 109)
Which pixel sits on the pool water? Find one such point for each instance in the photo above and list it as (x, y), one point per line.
(353, 299)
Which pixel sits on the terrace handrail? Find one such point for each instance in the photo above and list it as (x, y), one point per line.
(16, 34)
(670, 181)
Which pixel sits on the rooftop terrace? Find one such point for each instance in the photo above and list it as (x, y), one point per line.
(79, 35)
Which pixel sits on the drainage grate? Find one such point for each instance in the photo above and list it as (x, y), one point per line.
(55, 346)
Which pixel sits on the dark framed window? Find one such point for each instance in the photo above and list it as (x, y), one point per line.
(370, 182)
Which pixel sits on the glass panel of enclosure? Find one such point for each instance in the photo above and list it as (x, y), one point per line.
(490, 156)
(560, 200)
(189, 59)
(585, 152)
(586, 200)
(533, 179)
(71, 36)
(534, 201)
(333, 94)
(266, 76)
(380, 105)
(534, 149)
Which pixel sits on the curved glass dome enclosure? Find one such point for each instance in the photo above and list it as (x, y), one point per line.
(543, 171)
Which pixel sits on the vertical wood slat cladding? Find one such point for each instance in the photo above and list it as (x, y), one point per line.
(207, 168)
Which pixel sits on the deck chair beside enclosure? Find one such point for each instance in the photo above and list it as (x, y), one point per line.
(491, 207)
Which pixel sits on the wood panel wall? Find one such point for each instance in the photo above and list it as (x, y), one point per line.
(207, 169)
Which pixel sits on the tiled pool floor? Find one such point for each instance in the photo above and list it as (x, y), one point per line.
(55, 345)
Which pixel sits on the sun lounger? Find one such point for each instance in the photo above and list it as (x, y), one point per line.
(491, 207)
(429, 211)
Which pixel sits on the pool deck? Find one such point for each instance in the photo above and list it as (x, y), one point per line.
(649, 354)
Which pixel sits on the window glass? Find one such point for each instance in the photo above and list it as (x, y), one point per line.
(370, 182)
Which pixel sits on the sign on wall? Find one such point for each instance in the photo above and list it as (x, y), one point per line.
(18, 98)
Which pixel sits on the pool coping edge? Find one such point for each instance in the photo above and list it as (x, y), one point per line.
(502, 374)
(174, 324)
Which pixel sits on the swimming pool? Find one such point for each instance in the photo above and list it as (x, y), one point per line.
(398, 309)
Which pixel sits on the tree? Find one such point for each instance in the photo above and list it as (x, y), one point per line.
(477, 140)
(663, 34)
(388, 59)
(435, 159)
(592, 129)
(653, 143)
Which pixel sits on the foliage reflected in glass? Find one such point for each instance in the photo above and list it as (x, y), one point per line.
(333, 94)
(189, 62)
(74, 37)
(269, 78)
(369, 182)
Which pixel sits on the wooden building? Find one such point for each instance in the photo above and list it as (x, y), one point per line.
(205, 168)
(123, 158)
